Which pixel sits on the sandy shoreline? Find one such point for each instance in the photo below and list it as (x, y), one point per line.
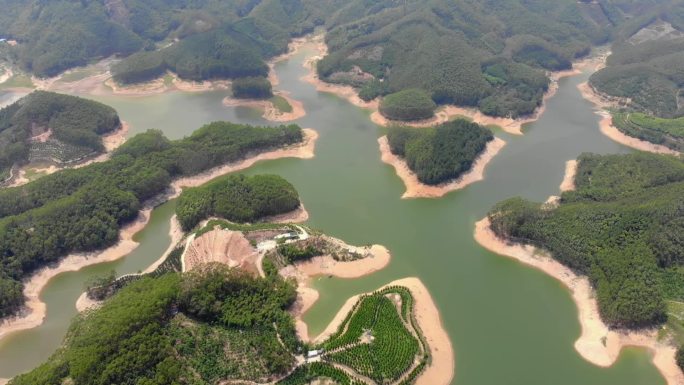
(441, 370)
(6, 75)
(175, 232)
(601, 104)
(102, 82)
(269, 111)
(590, 344)
(305, 150)
(597, 343)
(298, 215)
(568, 183)
(35, 309)
(343, 91)
(379, 257)
(84, 303)
(416, 189)
(443, 114)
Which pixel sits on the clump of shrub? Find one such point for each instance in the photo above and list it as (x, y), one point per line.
(442, 153)
(407, 105)
(237, 198)
(252, 88)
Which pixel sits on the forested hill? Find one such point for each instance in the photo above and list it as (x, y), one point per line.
(643, 75)
(55, 127)
(81, 210)
(491, 54)
(442, 153)
(623, 227)
(646, 61)
(200, 328)
(59, 34)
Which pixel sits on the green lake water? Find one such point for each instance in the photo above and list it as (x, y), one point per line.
(509, 324)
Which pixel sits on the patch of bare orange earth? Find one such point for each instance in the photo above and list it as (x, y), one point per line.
(224, 246)
(597, 344)
(34, 312)
(417, 189)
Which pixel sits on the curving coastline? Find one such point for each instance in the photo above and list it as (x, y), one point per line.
(304, 150)
(35, 309)
(298, 215)
(601, 104)
(441, 370)
(176, 233)
(416, 189)
(270, 111)
(568, 183)
(443, 114)
(111, 142)
(303, 272)
(597, 343)
(102, 82)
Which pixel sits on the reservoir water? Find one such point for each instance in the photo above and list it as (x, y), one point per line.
(509, 324)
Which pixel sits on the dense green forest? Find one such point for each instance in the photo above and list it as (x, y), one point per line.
(75, 124)
(644, 75)
(442, 153)
(666, 132)
(622, 227)
(217, 54)
(645, 65)
(237, 198)
(491, 54)
(83, 209)
(211, 324)
(407, 105)
(252, 88)
(217, 324)
(216, 38)
(58, 35)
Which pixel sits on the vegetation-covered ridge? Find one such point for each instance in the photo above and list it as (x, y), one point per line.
(645, 72)
(442, 153)
(45, 126)
(408, 105)
(379, 340)
(622, 227)
(237, 198)
(662, 131)
(217, 324)
(643, 77)
(210, 325)
(82, 210)
(252, 88)
(492, 55)
(216, 37)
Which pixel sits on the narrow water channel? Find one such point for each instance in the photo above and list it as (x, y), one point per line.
(509, 324)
